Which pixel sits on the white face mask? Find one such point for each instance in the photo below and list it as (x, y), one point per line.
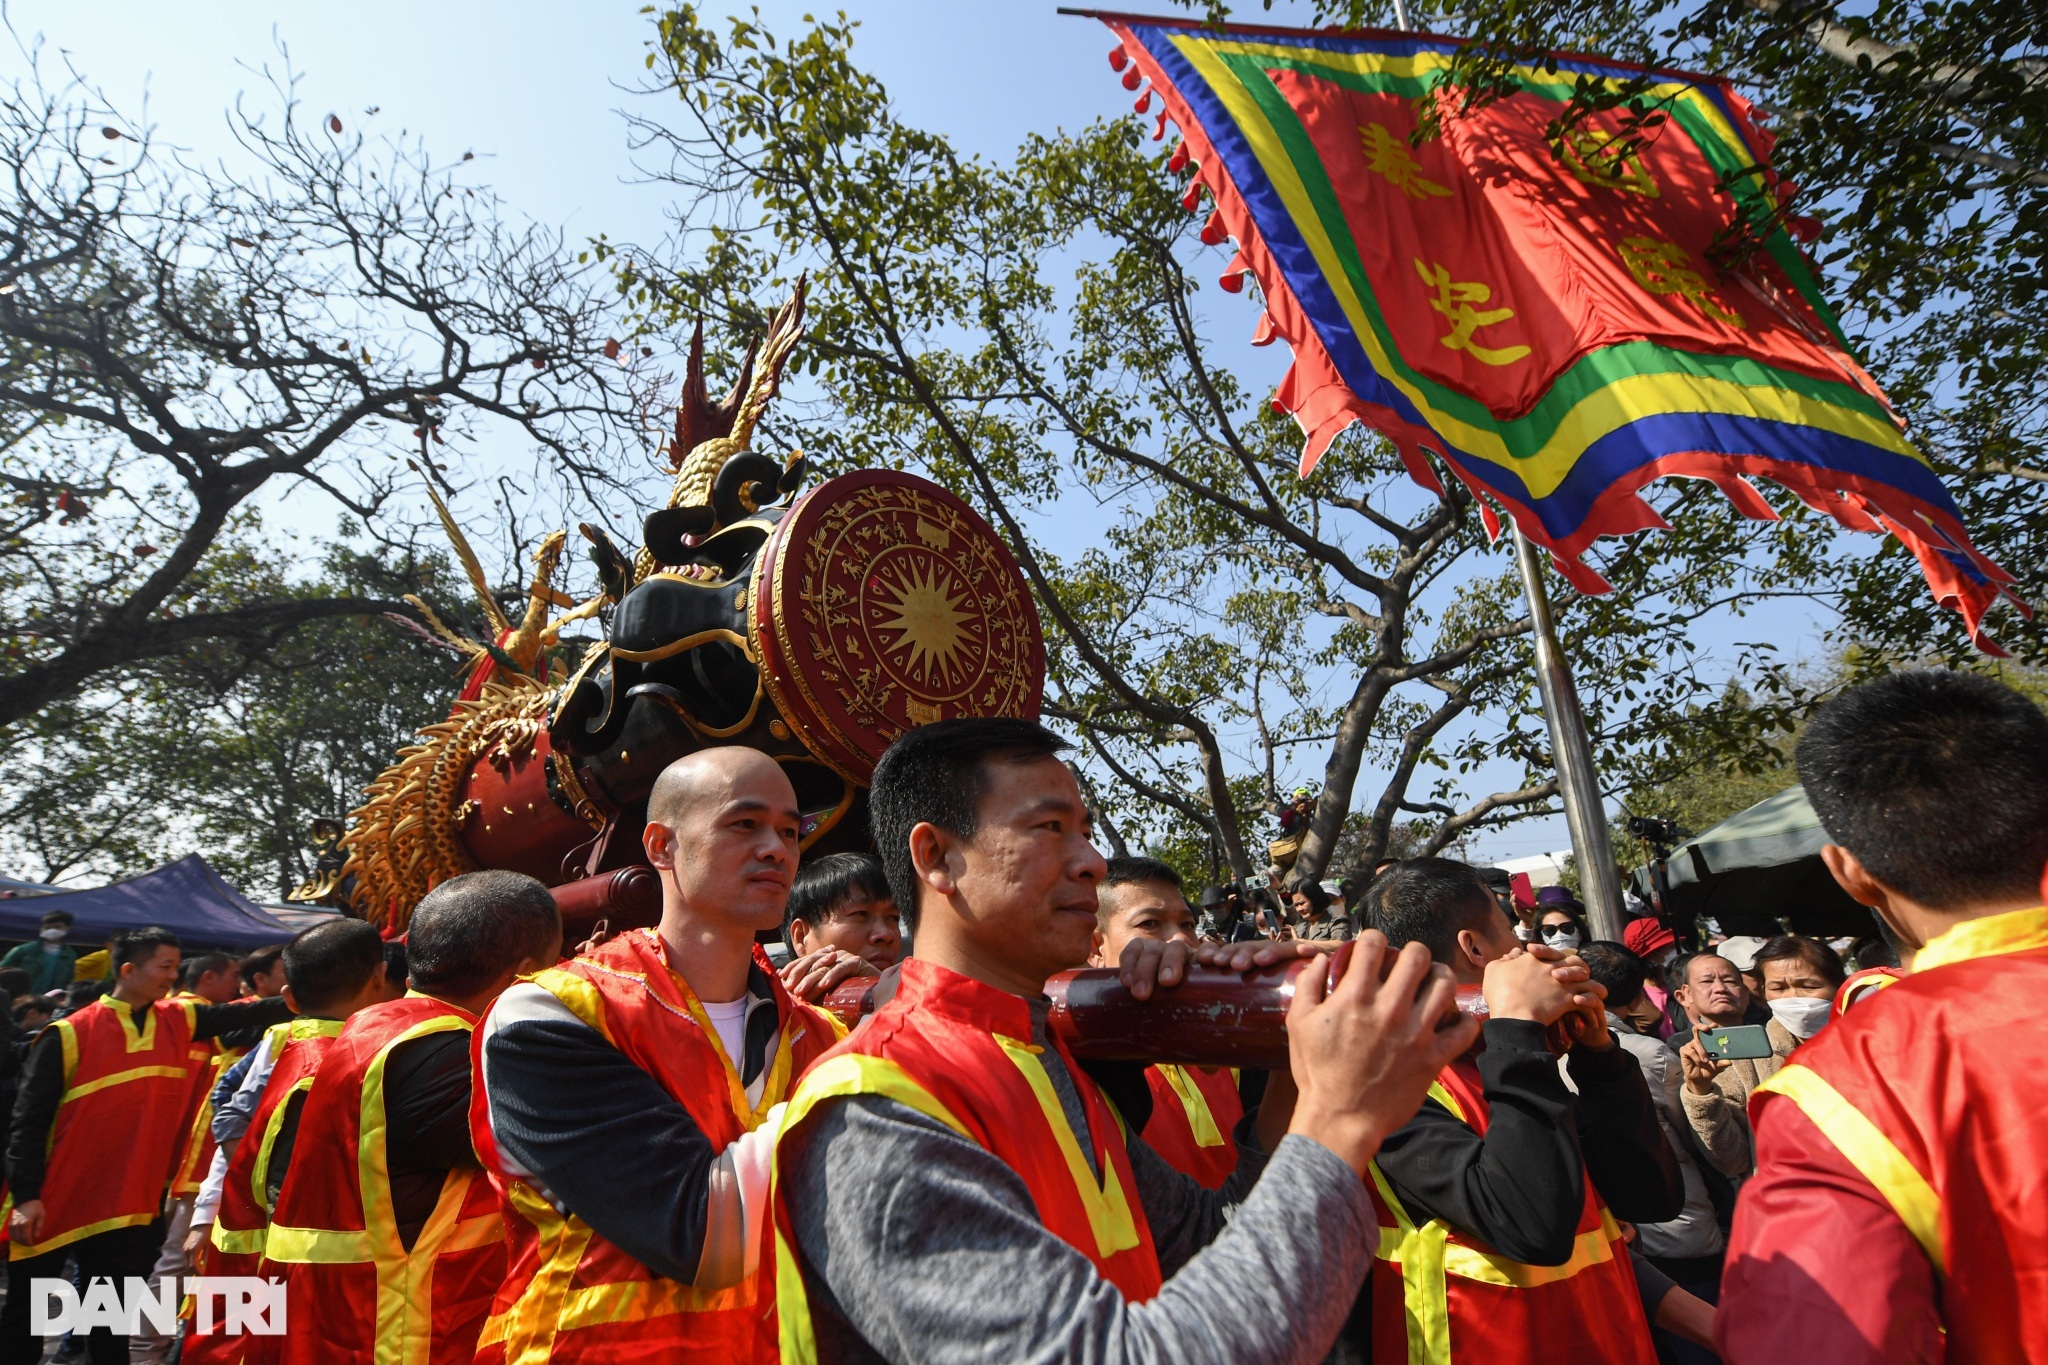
(1802, 1015)
(1562, 937)
(51, 935)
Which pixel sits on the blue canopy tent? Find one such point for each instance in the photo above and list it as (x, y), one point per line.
(187, 897)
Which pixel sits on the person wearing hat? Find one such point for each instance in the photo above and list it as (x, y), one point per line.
(1559, 920)
(49, 960)
(1650, 939)
(1295, 819)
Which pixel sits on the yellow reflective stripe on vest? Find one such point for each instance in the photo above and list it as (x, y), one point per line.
(1590, 1248)
(405, 1280)
(140, 1073)
(16, 1251)
(1428, 1258)
(1201, 1119)
(1442, 1095)
(1109, 1213)
(316, 1246)
(579, 994)
(1864, 1146)
(529, 1326)
(246, 1242)
(1425, 1296)
(849, 1073)
(259, 1173)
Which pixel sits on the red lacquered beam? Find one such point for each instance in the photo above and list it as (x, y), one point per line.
(629, 898)
(1214, 1018)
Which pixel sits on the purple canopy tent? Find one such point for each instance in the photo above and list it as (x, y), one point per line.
(187, 897)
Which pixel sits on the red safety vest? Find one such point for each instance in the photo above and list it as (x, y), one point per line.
(1932, 1091)
(1441, 1295)
(353, 1293)
(114, 1145)
(571, 1296)
(960, 1052)
(1194, 1110)
(243, 1218)
(209, 1060)
(1861, 986)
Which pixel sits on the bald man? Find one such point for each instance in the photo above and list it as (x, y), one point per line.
(622, 1093)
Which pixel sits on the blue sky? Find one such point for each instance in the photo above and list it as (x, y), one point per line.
(534, 90)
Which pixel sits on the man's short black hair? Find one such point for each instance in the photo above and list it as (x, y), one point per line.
(1430, 901)
(329, 963)
(1817, 955)
(937, 774)
(63, 917)
(1937, 782)
(1131, 868)
(472, 929)
(205, 963)
(258, 963)
(14, 981)
(1678, 971)
(824, 885)
(1619, 970)
(137, 945)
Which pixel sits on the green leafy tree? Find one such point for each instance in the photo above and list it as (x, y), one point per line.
(1032, 334)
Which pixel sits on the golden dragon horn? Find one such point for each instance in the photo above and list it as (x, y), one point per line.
(783, 334)
(524, 645)
(492, 612)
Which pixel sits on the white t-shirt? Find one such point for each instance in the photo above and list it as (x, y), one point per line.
(730, 1019)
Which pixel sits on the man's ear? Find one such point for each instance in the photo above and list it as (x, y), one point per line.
(1095, 944)
(935, 858)
(799, 934)
(660, 843)
(291, 998)
(1850, 874)
(1469, 949)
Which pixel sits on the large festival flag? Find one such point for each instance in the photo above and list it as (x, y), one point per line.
(1561, 312)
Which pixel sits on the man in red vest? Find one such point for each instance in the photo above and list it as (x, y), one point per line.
(332, 971)
(1498, 1202)
(618, 1097)
(386, 1233)
(1899, 1210)
(951, 1186)
(105, 1096)
(1194, 1109)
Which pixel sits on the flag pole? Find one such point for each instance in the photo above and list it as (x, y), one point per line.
(1577, 784)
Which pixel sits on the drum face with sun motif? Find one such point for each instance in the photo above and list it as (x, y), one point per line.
(884, 602)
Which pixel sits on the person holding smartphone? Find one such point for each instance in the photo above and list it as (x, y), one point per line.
(1718, 1084)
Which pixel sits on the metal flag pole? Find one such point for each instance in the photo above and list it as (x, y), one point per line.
(1577, 784)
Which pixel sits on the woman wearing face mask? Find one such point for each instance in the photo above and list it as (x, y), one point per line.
(1561, 929)
(1801, 976)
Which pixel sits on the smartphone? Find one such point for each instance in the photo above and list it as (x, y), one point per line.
(1732, 1044)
